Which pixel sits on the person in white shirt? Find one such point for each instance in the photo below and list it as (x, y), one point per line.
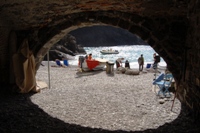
(119, 62)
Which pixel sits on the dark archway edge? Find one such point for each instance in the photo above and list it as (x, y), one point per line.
(159, 32)
(19, 114)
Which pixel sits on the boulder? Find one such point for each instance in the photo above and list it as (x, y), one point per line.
(65, 48)
(121, 69)
(132, 72)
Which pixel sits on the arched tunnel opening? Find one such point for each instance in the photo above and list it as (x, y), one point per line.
(161, 34)
(108, 103)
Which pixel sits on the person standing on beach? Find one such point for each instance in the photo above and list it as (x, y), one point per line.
(156, 60)
(154, 57)
(86, 57)
(119, 62)
(141, 62)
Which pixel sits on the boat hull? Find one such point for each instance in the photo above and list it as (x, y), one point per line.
(109, 52)
(89, 65)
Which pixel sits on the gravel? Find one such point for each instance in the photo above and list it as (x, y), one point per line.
(93, 102)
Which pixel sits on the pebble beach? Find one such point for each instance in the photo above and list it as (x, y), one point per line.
(99, 100)
(93, 102)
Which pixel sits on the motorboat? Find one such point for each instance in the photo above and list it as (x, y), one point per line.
(94, 64)
(110, 51)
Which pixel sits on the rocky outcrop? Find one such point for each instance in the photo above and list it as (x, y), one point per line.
(105, 36)
(65, 48)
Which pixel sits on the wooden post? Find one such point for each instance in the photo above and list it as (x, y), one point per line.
(48, 70)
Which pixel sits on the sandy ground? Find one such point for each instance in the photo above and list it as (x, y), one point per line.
(99, 100)
(93, 102)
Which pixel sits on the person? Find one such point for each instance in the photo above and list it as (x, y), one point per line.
(90, 57)
(58, 63)
(127, 64)
(119, 62)
(141, 62)
(154, 55)
(86, 57)
(156, 60)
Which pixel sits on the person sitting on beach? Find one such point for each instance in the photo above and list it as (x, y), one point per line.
(58, 63)
(141, 62)
(90, 57)
(119, 62)
(127, 64)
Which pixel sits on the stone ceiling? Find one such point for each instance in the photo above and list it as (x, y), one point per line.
(171, 28)
(25, 14)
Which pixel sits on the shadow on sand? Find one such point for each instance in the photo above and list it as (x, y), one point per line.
(19, 115)
(89, 73)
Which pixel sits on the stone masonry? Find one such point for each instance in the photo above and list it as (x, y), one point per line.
(171, 27)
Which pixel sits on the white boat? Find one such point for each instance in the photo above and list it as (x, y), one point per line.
(94, 64)
(109, 51)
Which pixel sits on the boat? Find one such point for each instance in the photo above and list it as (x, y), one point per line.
(109, 51)
(94, 64)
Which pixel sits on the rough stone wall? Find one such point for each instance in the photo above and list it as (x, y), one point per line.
(189, 87)
(40, 13)
(4, 52)
(152, 19)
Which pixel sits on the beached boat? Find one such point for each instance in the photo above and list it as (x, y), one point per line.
(109, 51)
(94, 64)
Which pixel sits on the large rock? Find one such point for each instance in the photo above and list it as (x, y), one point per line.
(132, 72)
(121, 70)
(127, 71)
(65, 48)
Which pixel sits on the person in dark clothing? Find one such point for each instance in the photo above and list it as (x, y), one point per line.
(127, 64)
(141, 62)
(86, 57)
(156, 60)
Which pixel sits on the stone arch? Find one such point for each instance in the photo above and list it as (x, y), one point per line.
(169, 27)
(158, 32)
(165, 34)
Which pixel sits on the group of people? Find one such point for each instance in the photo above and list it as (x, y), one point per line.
(140, 62)
(89, 57)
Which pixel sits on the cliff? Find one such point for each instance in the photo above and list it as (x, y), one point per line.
(105, 36)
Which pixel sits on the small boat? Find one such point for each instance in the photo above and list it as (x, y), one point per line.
(109, 51)
(94, 64)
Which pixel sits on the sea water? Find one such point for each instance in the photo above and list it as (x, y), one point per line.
(130, 53)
